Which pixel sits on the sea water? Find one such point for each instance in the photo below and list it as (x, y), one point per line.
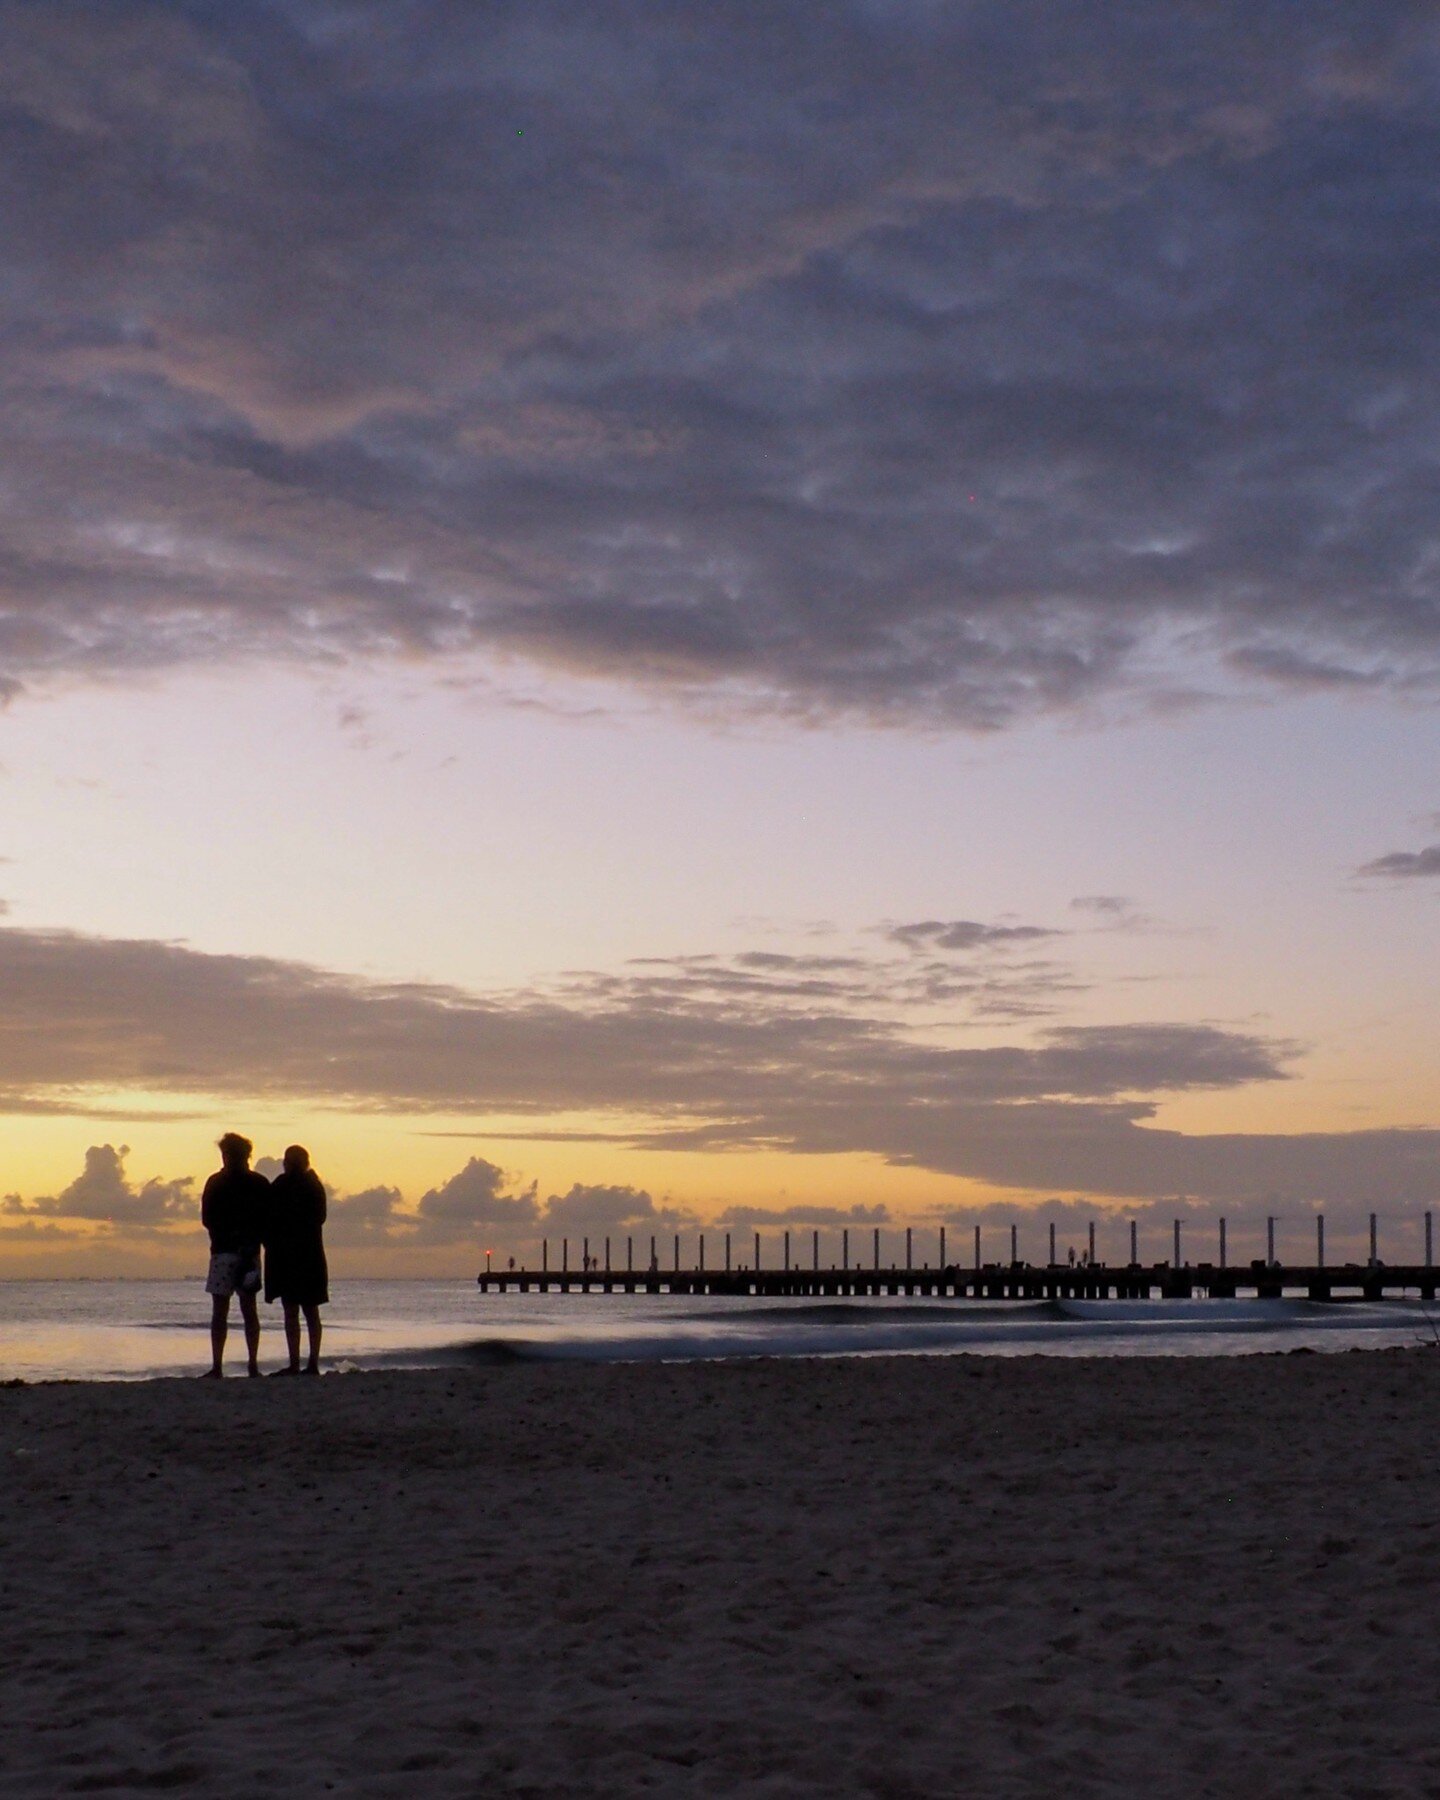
(134, 1330)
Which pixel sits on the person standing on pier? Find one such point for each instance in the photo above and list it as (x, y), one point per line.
(296, 1273)
(232, 1210)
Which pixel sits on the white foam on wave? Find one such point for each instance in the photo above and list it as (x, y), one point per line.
(1248, 1315)
(1254, 1314)
(1067, 1328)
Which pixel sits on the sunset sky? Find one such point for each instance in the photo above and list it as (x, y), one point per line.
(632, 618)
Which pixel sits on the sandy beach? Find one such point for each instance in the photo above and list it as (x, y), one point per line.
(892, 1577)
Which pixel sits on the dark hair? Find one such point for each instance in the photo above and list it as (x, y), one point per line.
(297, 1158)
(234, 1147)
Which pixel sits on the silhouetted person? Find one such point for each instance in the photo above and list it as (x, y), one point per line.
(232, 1210)
(295, 1271)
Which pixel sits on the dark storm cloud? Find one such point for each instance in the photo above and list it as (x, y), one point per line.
(1072, 1108)
(1404, 865)
(910, 362)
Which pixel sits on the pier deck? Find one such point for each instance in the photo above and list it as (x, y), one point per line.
(992, 1281)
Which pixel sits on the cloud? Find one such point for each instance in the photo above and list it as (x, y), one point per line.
(474, 1201)
(1115, 912)
(688, 1067)
(24, 1230)
(470, 1201)
(369, 1217)
(964, 934)
(601, 1207)
(821, 1218)
(458, 1212)
(926, 976)
(342, 331)
(1403, 865)
(113, 1012)
(102, 1193)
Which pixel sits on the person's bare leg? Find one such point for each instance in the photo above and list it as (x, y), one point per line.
(250, 1313)
(219, 1330)
(312, 1332)
(292, 1333)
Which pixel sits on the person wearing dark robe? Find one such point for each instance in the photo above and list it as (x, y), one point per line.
(295, 1270)
(232, 1210)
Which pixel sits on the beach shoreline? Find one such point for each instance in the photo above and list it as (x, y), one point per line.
(124, 1330)
(897, 1577)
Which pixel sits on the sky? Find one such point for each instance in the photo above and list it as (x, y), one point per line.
(641, 619)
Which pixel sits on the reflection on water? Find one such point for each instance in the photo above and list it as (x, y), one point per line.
(126, 1330)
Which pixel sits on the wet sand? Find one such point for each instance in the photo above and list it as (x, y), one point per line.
(894, 1577)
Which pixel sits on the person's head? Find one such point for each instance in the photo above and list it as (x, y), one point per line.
(297, 1159)
(235, 1151)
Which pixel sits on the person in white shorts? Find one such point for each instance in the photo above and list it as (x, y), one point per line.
(232, 1210)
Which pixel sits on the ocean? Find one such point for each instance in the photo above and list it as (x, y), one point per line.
(136, 1330)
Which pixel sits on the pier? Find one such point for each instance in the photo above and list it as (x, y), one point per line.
(1074, 1278)
(992, 1281)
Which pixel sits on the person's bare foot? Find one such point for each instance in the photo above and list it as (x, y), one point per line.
(310, 1369)
(253, 1370)
(209, 1375)
(276, 1372)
